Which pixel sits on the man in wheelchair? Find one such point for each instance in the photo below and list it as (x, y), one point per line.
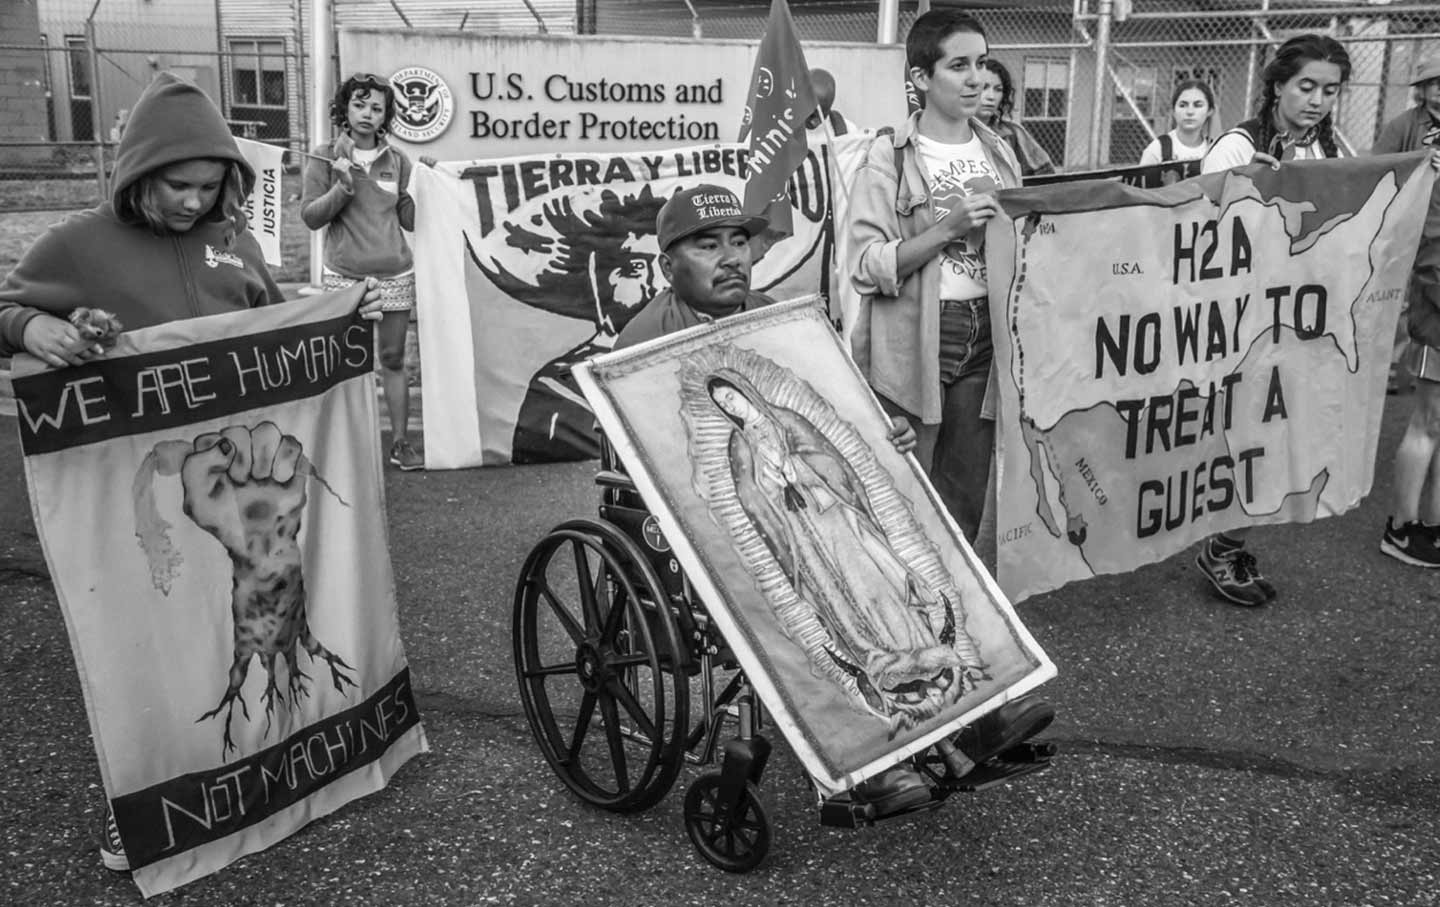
(705, 255)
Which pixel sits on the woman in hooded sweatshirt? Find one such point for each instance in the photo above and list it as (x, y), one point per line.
(170, 244)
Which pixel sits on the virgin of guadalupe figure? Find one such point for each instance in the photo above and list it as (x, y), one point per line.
(889, 630)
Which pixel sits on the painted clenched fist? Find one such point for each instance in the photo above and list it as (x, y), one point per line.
(246, 487)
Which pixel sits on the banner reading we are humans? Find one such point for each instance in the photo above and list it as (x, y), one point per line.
(1180, 361)
(242, 669)
(529, 265)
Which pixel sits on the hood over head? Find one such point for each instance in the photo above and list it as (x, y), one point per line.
(173, 121)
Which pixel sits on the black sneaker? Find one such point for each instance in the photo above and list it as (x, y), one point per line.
(405, 457)
(1234, 574)
(112, 851)
(1411, 543)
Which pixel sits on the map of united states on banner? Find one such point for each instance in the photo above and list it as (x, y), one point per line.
(526, 266)
(1181, 361)
(241, 663)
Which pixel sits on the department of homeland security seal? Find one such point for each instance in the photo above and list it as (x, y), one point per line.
(424, 105)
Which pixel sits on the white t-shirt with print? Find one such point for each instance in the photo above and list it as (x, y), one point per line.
(953, 172)
(1235, 149)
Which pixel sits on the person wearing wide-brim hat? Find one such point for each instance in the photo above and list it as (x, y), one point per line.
(1412, 532)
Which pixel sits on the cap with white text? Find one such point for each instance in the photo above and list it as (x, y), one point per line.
(705, 207)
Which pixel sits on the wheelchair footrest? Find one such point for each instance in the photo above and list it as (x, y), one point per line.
(1015, 762)
(844, 812)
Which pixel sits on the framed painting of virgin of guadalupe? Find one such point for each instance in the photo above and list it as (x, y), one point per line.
(868, 627)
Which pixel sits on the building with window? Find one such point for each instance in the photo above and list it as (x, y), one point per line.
(134, 39)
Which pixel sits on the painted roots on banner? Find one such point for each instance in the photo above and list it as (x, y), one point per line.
(1187, 360)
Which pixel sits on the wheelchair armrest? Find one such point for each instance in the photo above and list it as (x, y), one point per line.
(609, 478)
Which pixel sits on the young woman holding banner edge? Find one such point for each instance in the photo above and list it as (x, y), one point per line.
(1292, 122)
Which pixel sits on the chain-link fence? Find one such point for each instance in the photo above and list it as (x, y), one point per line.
(1093, 84)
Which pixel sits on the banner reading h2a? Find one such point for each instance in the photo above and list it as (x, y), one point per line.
(242, 670)
(1181, 361)
(526, 266)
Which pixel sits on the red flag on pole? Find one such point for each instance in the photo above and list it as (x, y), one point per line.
(780, 101)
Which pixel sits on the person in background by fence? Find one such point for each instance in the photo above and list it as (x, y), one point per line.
(1412, 531)
(1292, 122)
(997, 103)
(357, 191)
(170, 244)
(1191, 106)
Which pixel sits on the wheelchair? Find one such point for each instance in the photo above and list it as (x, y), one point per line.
(610, 642)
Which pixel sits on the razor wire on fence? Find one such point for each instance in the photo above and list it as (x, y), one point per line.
(1093, 82)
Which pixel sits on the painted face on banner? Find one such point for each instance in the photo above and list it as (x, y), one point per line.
(636, 281)
(953, 86)
(587, 258)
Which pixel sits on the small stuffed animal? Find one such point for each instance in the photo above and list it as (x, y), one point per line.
(96, 326)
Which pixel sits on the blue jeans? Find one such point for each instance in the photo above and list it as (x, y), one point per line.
(956, 453)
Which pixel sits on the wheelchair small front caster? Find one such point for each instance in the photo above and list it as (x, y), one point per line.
(733, 839)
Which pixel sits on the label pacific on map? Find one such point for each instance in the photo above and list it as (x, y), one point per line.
(1179, 361)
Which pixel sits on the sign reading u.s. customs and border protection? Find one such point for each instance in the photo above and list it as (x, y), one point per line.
(242, 668)
(424, 105)
(1180, 361)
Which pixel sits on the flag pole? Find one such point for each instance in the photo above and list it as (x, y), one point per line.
(322, 33)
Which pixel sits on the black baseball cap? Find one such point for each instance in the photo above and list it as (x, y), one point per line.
(705, 207)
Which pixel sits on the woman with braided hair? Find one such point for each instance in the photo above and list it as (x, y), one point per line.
(1293, 119)
(1292, 122)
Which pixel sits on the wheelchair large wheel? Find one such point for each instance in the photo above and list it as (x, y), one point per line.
(735, 842)
(600, 666)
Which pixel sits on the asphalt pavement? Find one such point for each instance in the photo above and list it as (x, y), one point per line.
(1210, 754)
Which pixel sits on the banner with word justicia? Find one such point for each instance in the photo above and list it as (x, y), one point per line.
(1180, 361)
(526, 266)
(262, 205)
(209, 497)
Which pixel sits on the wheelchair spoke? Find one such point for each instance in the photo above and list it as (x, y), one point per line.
(616, 614)
(551, 670)
(617, 742)
(587, 584)
(638, 660)
(582, 724)
(575, 631)
(634, 708)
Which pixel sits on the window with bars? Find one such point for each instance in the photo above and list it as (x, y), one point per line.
(257, 73)
(1139, 83)
(1045, 101)
(79, 67)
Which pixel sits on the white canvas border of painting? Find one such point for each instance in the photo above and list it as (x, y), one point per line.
(707, 590)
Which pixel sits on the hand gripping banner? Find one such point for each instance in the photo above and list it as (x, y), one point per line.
(210, 501)
(1180, 361)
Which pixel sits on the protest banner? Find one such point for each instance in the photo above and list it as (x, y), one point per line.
(860, 615)
(262, 205)
(526, 266)
(1181, 361)
(1149, 176)
(239, 450)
